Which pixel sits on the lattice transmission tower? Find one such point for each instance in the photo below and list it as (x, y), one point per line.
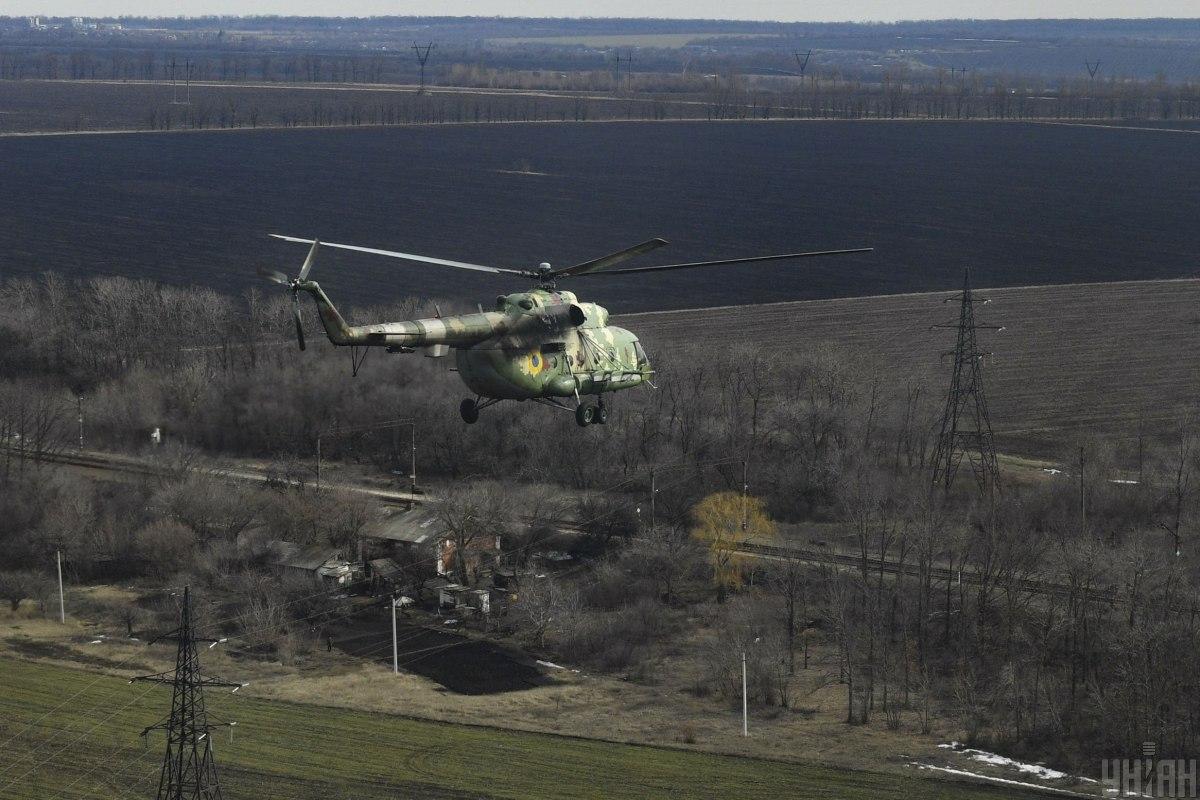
(966, 427)
(188, 769)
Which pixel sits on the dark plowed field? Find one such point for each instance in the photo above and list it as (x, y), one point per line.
(1019, 203)
(461, 664)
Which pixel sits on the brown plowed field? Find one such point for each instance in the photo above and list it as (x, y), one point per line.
(1085, 355)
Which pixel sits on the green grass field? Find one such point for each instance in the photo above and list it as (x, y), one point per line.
(90, 748)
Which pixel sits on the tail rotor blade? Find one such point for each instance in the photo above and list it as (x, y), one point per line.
(296, 317)
(308, 262)
(274, 276)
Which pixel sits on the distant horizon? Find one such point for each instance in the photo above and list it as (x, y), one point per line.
(756, 10)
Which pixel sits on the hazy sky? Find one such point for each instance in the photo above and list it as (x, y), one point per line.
(790, 10)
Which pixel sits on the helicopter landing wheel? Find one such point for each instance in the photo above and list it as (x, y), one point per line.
(469, 410)
(585, 415)
(601, 414)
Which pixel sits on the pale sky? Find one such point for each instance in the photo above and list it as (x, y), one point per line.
(786, 10)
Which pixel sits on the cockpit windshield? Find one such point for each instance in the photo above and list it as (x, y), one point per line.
(640, 353)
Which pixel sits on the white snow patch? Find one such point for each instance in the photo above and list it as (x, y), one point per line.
(1037, 770)
(96, 641)
(996, 760)
(990, 779)
(549, 665)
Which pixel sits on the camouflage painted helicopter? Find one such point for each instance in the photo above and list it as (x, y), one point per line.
(542, 345)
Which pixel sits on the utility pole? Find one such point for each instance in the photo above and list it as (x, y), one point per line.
(745, 693)
(188, 64)
(422, 57)
(79, 405)
(745, 701)
(395, 641)
(745, 507)
(653, 491)
(413, 474)
(966, 427)
(1082, 495)
(62, 603)
(188, 769)
(412, 467)
(318, 461)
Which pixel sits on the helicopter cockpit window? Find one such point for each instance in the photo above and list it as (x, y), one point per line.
(641, 354)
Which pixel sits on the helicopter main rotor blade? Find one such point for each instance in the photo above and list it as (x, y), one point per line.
(406, 256)
(274, 276)
(308, 261)
(610, 259)
(727, 261)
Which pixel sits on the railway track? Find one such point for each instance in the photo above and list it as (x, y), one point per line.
(939, 574)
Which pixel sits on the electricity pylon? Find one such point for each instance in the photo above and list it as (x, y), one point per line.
(966, 427)
(422, 57)
(188, 769)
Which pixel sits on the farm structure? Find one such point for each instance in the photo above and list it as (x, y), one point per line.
(322, 565)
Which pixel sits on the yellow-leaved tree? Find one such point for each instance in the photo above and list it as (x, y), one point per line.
(722, 521)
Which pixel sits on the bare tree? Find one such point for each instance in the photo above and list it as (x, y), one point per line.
(472, 513)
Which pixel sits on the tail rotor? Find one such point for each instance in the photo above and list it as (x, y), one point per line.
(295, 284)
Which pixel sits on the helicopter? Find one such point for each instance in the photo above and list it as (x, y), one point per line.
(543, 345)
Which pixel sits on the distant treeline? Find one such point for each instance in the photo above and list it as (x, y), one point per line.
(74, 107)
(1047, 49)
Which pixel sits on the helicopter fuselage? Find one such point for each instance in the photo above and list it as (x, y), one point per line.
(560, 361)
(538, 344)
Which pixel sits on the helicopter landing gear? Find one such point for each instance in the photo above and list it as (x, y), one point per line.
(587, 414)
(469, 409)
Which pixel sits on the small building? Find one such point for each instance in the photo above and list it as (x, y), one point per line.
(320, 563)
(384, 574)
(486, 601)
(420, 528)
(452, 595)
